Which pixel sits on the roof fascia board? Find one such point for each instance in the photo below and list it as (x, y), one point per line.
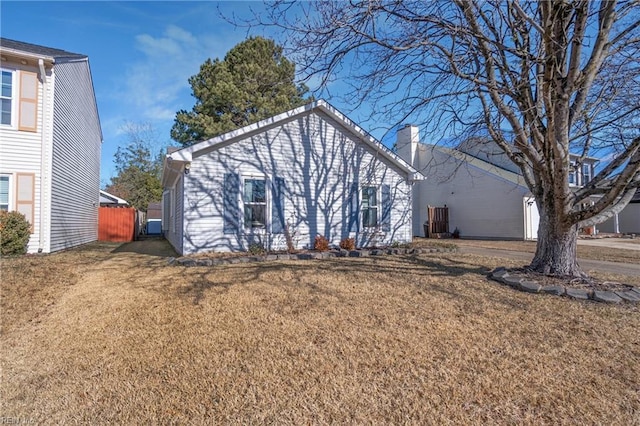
(28, 55)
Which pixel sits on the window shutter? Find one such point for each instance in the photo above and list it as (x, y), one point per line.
(28, 102)
(25, 195)
(386, 208)
(277, 211)
(353, 201)
(231, 211)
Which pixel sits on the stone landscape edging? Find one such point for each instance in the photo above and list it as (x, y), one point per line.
(331, 254)
(514, 280)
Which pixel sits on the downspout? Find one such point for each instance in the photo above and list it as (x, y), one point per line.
(43, 153)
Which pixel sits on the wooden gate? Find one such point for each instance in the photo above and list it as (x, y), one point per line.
(116, 224)
(438, 222)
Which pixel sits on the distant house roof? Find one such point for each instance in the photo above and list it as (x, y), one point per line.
(107, 199)
(8, 45)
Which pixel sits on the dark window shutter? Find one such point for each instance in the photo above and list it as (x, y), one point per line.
(277, 204)
(386, 208)
(354, 208)
(231, 210)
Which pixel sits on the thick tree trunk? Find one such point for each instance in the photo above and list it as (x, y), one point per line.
(556, 253)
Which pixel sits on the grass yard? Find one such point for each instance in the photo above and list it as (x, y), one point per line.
(113, 334)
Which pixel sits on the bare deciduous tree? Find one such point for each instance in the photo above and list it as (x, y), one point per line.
(540, 78)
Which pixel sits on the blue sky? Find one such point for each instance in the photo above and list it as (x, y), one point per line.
(141, 54)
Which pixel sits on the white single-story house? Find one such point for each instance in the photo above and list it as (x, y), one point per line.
(50, 142)
(306, 172)
(486, 195)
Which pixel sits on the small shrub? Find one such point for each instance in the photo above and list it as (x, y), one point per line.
(257, 249)
(321, 243)
(14, 233)
(348, 244)
(290, 235)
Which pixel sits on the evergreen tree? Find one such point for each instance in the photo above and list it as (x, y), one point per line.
(254, 81)
(139, 171)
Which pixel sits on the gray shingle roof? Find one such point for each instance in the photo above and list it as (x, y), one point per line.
(35, 49)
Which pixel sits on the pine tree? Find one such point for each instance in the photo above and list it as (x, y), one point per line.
(254, 81)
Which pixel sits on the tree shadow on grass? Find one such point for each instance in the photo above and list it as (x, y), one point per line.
(204, 279)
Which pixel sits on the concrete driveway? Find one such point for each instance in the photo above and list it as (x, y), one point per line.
(618, 243)
(586, 264)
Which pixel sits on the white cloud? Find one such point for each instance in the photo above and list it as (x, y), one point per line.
(156, 85)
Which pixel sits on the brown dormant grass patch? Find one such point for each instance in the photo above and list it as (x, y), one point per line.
(584, 252)
(428, 340)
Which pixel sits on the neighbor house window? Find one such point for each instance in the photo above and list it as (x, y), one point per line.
(572, 173)
(586, 173)
(369, 207)
(4, 192)
(6, 97)
(255, 203)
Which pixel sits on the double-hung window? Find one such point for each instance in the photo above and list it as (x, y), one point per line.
(255, 202)
(586, 173)
(4, 193)
(572, 173)
(6, 98)
(369, 207)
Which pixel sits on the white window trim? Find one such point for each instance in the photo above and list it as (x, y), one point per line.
(11, 195)
(267, 195)
(14, 98)
(378, 207)
(573, 172)
(590, 174)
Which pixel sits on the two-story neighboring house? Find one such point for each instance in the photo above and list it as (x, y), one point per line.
(50, 142)
(484, 191)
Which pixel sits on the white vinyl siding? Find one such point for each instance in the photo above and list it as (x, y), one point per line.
(22, 152)
(75, 181)
(173, 203)
(318, 160)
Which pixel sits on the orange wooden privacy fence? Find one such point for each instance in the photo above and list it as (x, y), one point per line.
(438, 221)
(116, 224)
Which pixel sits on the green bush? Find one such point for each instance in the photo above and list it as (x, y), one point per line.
(257, 249)
(14, 233)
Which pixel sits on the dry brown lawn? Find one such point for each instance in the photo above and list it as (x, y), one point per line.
(584, 252)
(111, 334)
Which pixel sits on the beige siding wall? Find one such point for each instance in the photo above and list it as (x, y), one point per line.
(319, 160)
(628, 221)
(481, 204)
(76, 157)
(22, 151)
